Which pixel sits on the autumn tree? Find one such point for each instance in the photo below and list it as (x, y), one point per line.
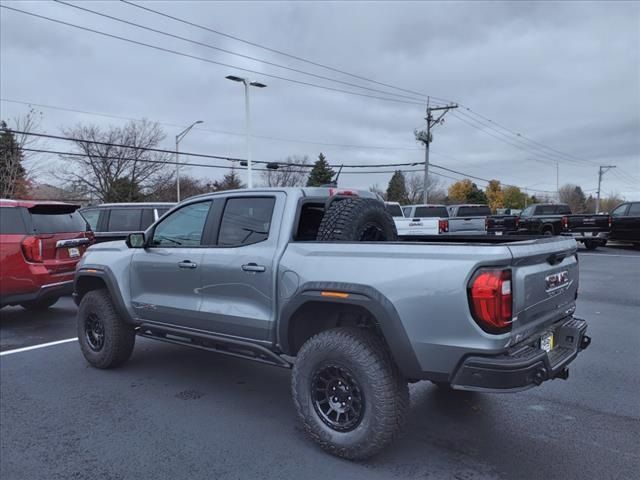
(321, 173)
(465, 191)
(397, 190)
(115, 164)
(495, 195)
(609, 203)
(514, 198)
(291, 173)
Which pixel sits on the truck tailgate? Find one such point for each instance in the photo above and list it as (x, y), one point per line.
(544, 282)
(585, 223)
(466, 224)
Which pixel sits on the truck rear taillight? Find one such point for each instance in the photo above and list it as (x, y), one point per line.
(610, 220)
(32, 249)
(443, 226)
(491, 300)
(565, 222)
(517, 222)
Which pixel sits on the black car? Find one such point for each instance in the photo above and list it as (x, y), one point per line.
(114, 221)
(625, 223)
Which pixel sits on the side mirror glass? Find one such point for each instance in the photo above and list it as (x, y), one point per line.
(136, 240)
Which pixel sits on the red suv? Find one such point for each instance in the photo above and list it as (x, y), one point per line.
(40, 244)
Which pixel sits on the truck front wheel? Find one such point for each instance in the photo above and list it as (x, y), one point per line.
(105, 339)
(349, 393)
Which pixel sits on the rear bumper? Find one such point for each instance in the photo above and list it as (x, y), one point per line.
(51, 290)
(596, 237)
(524, 366)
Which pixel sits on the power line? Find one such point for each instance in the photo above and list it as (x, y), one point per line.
(280, 52)
(224, 132)
(207, 45)
(208, 60)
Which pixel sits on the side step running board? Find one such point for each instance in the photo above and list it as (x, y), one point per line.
(213, 343)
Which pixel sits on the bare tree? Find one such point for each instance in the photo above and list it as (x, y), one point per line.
(415, 189)
(291, 173)
(573, 196)
(114, 173)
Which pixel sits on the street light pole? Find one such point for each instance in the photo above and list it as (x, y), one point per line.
(179, 137)
(247, 111)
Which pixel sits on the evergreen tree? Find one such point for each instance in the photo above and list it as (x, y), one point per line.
(321, 173)
(13, 177)
(397, 189)
(231, 181)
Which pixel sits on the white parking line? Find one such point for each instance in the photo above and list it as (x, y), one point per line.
(35, 347)
(606, 255)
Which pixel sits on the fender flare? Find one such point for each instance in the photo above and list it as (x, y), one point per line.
(379, 306)
(106, 275)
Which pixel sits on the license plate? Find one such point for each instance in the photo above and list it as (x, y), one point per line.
(498, 233)
(546, 342)
(74, 252)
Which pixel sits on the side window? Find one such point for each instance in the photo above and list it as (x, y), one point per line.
(11, 221)
(147, 218)
(620, 211)
(527, 212)
(124, 220)
(406, 211)
(246, 221)
(91, 216)
(183, 227)
(634, 210)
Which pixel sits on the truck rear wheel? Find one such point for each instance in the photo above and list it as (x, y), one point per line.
(590, 244)
(349, 393)
(357, 219)
(105, 339)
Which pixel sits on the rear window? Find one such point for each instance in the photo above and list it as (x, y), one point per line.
(394, 210)
(58, 222)
(124, 220)
(480, 211)
(545, 210)
(563, 210)
(246, 221)
(430, 212)
(11, 221)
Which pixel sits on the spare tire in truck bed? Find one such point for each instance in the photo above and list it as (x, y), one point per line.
(357, 219)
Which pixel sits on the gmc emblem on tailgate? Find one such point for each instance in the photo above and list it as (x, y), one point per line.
(556, 280)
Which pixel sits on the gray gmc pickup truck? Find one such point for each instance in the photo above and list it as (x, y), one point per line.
(312, 279)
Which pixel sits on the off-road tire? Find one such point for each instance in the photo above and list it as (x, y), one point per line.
(384, 390)
(118, 337)
(39, 305)
(357, 219)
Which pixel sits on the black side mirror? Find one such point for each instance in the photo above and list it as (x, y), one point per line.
(136, 240)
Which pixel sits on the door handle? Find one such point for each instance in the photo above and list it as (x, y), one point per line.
(253, 267)
(187, 264)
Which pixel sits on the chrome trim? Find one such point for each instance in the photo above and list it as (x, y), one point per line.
(72, 242)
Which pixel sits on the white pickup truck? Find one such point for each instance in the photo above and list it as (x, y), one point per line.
(415, 225)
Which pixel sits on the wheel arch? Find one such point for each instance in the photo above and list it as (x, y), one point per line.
(88, 279)
(320, 306)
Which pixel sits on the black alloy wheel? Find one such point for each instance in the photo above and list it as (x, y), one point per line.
(337, 398)
(94, 332)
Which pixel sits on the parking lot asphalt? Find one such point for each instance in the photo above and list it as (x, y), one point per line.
(173, 412)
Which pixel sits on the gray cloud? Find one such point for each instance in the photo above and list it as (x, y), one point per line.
(566, 74)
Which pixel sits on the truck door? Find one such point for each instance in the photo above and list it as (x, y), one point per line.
(619, 222)
(239, 274)
(166, 275)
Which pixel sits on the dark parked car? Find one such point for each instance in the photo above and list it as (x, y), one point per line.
(557, 219)
(114, 221)
(40, 245)
(625, 223)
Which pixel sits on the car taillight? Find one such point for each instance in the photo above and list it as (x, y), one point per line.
(342, 191)
(486, 223)
(610, 220)
(443, 226)
(565, 222)
(32, 249)
(517, 222)
(490, 299)
(91, 236)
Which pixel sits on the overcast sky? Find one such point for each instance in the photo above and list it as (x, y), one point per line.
(565, 74)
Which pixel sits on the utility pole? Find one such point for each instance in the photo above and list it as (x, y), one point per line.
(558, 180)
(426, 137)
(601, 171)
